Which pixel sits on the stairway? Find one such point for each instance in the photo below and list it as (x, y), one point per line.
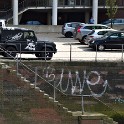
(49, 110)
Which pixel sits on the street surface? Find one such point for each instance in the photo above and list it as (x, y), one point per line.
(69, 49)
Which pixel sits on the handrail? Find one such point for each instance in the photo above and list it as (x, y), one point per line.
(18, 61)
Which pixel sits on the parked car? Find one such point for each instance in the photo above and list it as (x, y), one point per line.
(98, 33)
(111, 40)
(33, 23)
(68, 28)
(86, 29)
(15, 40)
(76, 29)
(116, 21)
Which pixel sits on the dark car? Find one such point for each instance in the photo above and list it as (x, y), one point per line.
(15, 40)
(111, 40)
(33, 23)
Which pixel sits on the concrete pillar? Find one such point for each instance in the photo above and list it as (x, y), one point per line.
(95, 11)
(54, 12)
(15, 12)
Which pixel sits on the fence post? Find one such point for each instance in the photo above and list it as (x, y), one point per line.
(45, 51)
(54, 92)
(96, 54)
(70, 51)
(122, 52)
(35, 83)
(82, 105)
(20, 51)
(17, 65)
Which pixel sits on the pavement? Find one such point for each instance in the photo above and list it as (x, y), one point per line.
(69, 49)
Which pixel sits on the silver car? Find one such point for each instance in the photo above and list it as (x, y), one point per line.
(98, 33)
(68, 28)
(86, 29)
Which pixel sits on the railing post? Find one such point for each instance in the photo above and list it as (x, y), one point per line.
(96, 54)
(20, 52)
(82, 105)
(45, 51)
(35, 83)
(122, 52)
(17, 65)
(70, 51)
(54, 92)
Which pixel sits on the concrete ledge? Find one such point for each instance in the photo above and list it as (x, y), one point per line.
(52, 28)
(41, 28)
(93, 118)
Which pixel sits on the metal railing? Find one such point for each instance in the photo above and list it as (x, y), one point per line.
(79, 89)
(71, 54)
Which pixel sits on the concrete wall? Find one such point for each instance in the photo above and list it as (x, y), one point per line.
(42, 28)
(52, 28)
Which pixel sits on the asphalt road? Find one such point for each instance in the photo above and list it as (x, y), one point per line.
(78, 52)
(69, 49)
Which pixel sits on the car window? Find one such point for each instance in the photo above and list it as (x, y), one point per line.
(29, 22)
(94, 27)
(36, 22)
(107, 22)
(69, 25)
(107, 34)
(31, 34)
(115, 35)
(105, 27)
(122, 35)
(26, 35)
(74, 25)
(87, 27)
(102, 32)
(117, 21)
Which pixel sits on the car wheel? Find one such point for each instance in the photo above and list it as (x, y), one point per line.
(101, 47)
(68, 35)
(10, 52)
(37, 54)
(79, 40)
(83, 40)
(46, 54)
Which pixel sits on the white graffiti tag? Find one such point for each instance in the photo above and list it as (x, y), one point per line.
(73, 81)
(30, 46)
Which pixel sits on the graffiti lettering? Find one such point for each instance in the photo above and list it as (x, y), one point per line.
(74, 83)
(119, 100)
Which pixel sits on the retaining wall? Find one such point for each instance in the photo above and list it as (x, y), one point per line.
(53, 28)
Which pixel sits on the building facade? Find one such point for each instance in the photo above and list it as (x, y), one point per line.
(56, 12)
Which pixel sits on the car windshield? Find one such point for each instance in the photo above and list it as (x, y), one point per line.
(107, 34)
